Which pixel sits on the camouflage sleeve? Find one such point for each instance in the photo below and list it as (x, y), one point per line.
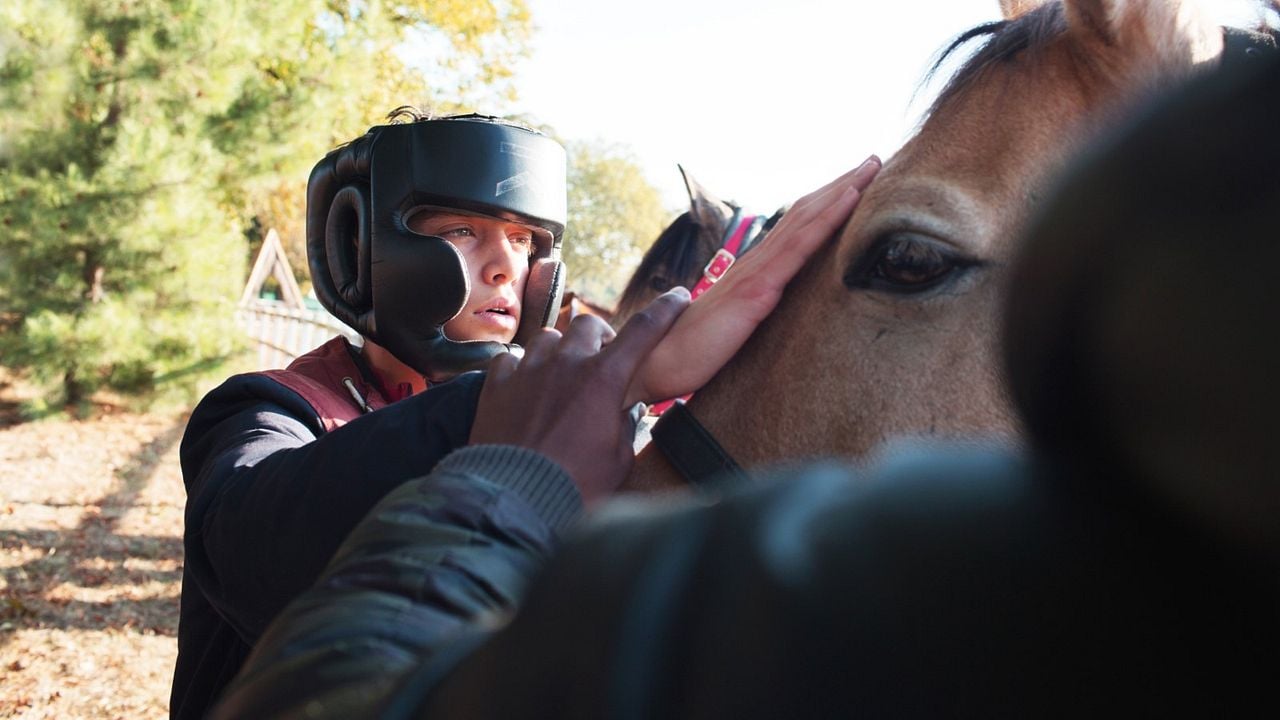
(439, 563)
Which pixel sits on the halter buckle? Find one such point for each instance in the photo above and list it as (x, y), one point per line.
(718, 265)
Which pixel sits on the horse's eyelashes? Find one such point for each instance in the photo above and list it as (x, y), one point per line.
(905, 263)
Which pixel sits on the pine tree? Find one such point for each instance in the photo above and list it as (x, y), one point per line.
(137, 139)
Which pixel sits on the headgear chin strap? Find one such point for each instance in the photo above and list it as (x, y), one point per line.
(399, 288)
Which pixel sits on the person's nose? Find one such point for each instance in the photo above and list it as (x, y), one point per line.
(501, 259)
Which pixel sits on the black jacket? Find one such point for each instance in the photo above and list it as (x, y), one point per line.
(270, 495)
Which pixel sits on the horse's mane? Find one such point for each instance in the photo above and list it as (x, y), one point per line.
(1031, 32)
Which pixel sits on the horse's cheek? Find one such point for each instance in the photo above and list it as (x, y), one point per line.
(805, 372)
(652, 473)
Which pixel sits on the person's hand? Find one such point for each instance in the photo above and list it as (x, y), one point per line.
(565, 399)
(717, 325)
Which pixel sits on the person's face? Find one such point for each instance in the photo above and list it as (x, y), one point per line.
(497, 254)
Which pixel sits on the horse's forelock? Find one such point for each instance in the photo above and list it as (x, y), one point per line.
(1030, 32)
(674, 252)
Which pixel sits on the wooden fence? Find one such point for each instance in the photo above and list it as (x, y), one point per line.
(282, 333)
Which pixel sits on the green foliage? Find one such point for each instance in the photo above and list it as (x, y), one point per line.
(137, 140)
(614, 214)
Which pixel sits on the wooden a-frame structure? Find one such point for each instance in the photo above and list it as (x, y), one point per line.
(272, 262)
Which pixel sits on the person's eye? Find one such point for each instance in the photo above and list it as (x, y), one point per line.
(524, 241)
(452, 232)
(906, 263)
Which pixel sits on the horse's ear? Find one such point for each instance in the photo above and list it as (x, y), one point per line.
(1168, 34)
(707, 209)
(1099, 18)
(1012, 9)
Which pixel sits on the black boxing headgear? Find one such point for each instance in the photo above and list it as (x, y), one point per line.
(399, 288)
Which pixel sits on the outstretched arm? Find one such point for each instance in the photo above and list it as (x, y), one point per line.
(713, 329)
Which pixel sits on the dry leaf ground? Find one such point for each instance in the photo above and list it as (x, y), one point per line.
(90, 563)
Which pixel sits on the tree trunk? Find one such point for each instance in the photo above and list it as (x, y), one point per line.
(73, 390)
(93, 278)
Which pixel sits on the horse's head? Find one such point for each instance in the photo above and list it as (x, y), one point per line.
(893, 329)
(679, 253)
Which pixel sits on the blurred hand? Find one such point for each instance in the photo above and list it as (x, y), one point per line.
(717, 325)
(566, 398)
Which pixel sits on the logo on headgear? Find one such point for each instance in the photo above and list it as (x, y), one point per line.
(523, 179)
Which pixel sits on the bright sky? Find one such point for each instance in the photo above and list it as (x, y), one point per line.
(761, 100)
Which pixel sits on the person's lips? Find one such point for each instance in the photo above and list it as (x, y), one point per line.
(499, 310)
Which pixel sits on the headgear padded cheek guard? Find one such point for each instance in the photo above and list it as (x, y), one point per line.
(399, 288)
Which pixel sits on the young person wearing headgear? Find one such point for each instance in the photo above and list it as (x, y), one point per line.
(438, 241)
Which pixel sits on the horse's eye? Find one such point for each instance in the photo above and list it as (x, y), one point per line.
(905, 263)
(660, 283)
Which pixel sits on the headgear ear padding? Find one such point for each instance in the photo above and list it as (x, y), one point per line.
(410, 313)
(338, 233)
(542, 295)
(397, 287)
(347, 233)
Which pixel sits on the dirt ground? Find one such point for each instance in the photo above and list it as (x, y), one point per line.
(90, 563)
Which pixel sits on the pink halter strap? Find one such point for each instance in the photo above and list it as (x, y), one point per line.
(744, 227)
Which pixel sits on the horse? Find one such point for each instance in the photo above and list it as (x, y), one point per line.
(682, 252)
(677, 257)
(892, 330)
(573, 304)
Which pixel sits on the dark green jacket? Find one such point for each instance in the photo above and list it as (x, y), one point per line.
(941, 583)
